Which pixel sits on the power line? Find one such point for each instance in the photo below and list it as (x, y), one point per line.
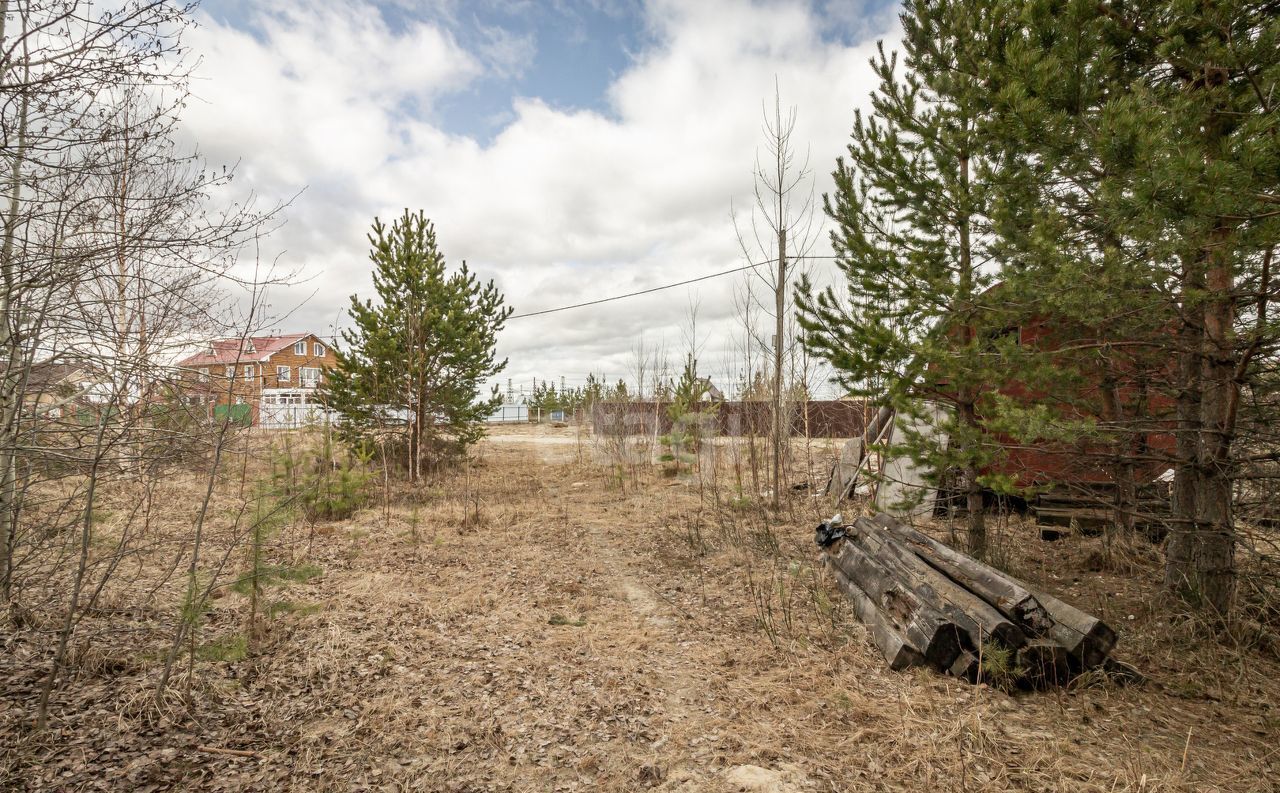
(658, 288)
(336, 337)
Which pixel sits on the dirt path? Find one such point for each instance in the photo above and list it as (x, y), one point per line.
(532, 626)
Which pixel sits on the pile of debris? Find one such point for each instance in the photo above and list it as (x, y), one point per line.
(927, 604)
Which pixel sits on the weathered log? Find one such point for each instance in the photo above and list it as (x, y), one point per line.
(980, 621)
(925, 628)
(1087, 638)
(1043, 663)
(892, 644)
(1001, 591)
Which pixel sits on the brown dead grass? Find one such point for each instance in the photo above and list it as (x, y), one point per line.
(546, 625)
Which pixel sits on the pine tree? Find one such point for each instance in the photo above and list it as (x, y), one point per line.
(1145, 141)
(691, 411)
(912, 327)
(415, 361)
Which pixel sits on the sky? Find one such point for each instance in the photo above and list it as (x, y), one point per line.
(568, 150)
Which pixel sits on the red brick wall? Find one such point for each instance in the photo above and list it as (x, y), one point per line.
(264, 375)
(295, 362)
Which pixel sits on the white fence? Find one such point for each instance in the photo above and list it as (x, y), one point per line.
(274, 416)
(289, 417)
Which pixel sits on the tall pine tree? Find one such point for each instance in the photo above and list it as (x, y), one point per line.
(1148, 142)
(415, 361)
(912, 326)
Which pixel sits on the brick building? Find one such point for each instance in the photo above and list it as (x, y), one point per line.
(259, 380)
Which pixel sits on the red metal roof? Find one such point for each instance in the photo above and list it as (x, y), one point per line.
(252, 348)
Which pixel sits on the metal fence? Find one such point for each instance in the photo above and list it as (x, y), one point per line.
(838, 418)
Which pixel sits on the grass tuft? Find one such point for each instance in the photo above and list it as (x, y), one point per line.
(277, 575)
(224, 649)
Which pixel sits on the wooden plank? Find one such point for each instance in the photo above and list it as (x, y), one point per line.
(965, 667)
(925, 628)
(1090, 517)
(884, 634)
(874, 431)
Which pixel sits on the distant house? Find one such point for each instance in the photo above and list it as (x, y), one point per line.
(56, 388)
(268, 381)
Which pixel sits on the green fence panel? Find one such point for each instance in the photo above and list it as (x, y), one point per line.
(239, 414)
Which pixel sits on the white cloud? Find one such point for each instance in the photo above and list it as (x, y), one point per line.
(562, 206)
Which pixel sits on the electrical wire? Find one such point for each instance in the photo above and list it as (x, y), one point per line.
(751, 266)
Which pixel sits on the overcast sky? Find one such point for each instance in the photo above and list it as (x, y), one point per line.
(567, 149)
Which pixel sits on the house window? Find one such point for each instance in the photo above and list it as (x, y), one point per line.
(309, 376)
(204, 374)
(231, 372)
(283, 373)
(318, 350)
(248, 371)
(300, 348)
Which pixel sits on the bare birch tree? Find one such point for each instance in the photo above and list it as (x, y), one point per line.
(780, 231)
(114, 257)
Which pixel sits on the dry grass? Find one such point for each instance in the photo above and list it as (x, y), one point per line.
(537, 623)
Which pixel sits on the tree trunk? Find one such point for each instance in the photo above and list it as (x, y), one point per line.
(1214, 554)
(973, 500)
(1200, 565)
(1204, 569)
(11, 381)
(967, 403)
(780, 301)
(1121, 458)
(1179, 572)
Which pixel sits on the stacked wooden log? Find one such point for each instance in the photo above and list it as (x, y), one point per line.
(926, 604)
